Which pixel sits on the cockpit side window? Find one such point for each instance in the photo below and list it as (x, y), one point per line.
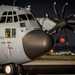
(10, 33)
(7, 33)
(13, 32)
(30, 17)
(22, 17)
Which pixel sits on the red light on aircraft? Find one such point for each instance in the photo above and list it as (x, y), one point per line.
(62, 40)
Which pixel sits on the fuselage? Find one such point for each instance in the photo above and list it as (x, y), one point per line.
(18, 28)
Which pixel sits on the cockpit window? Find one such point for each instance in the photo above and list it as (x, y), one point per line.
(14, 12)
(15, 19)
(2, 19)
(10, 13)
(30, 17)
(22, 17)
(5, 13)
(9, 19)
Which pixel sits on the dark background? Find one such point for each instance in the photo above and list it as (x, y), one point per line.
(41, 7)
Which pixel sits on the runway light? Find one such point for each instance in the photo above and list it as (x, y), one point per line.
(51, 51)
(62, 40)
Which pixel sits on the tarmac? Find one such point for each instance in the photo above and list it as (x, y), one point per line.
(51, 62)
(48, 74)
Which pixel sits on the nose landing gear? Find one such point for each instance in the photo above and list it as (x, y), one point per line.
(20, 69)
(11, 69)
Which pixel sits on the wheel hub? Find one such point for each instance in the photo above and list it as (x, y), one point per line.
(8, 69)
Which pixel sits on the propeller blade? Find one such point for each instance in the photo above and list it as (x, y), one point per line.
(70, 28)
(65, 36)
(71, 22)
(53, 29)
(70, 16)
(57, 40)
(59, 34)
(55, 10)
(63, 10)
(57, 30)
(55, 21)
(37, 20)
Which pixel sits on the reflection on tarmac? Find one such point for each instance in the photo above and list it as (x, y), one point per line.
(51, 62)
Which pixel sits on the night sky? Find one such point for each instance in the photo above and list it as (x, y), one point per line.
(41, 7)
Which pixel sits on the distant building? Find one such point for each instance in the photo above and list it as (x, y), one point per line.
(65, 53)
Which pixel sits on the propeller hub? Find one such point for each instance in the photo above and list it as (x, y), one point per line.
(62, 23)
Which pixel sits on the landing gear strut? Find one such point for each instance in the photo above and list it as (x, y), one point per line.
(20, 69)
(11, 69)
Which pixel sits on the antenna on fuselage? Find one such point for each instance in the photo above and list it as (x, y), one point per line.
(15, 3)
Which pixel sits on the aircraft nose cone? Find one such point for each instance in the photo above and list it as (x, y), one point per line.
(36, 43)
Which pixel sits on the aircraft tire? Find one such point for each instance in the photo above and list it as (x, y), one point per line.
(10, 69)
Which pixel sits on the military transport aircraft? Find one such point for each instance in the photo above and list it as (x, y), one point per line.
(22, 38)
